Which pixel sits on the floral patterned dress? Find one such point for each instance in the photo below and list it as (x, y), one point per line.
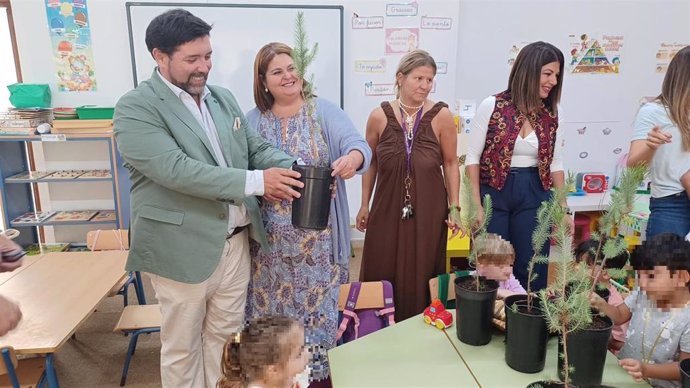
(297, 275)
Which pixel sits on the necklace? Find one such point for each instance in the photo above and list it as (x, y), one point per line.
(409, 118)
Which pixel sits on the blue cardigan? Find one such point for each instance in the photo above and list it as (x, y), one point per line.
(342, 137)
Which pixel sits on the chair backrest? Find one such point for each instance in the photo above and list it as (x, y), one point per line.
(442, 287)
(108, 240)
(8, 365)
(366, 307)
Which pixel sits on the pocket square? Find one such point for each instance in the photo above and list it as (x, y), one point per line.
(237, 125)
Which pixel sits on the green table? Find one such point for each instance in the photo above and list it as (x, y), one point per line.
(407, 354)
(488, 365)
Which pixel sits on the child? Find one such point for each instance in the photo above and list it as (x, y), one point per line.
(659, 332)
(269, 352)
(495, 262)
(584, 253)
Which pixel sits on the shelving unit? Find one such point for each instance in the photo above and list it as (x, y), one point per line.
(19, 196)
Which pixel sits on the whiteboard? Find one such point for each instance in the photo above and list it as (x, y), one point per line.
(239, 31)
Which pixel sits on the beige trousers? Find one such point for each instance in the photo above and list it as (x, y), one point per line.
(198, 318)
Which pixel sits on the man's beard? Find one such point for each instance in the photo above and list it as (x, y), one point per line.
(194, 90)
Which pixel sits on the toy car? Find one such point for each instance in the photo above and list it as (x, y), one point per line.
(437, 315)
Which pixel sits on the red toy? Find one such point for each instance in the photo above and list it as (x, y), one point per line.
(437, 315)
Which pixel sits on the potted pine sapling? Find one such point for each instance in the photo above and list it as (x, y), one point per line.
(475, 295)
(312, 209)
(621, 205)
(565, 303)
(526, 330)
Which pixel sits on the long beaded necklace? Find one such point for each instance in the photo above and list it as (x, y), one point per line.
(409, 117)
(409, 127)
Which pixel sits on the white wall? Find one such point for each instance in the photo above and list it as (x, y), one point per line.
(485, 29)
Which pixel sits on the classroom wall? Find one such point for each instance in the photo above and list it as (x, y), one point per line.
(483, 33)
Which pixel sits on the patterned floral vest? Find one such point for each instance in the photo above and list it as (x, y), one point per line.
(504, 127)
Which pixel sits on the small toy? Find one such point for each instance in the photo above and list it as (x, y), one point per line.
(437, 315)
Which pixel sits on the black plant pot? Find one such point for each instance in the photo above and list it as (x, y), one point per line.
(586, 353)
(474, 310)
(685, 373)
(526, 335)
(311, 209)
(549, 384)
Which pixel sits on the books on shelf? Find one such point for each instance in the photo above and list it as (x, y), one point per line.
(82, 126)
(32, 218)
(73, 216)
(95, 174)
(39, 249)
(66, 174)
(17, 131)
(104, 215)
(29, 175)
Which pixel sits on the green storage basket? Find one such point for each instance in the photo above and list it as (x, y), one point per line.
(92, 112)
(29, 95)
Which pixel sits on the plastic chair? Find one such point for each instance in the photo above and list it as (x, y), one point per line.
(27, 373)
(117, 239)
(136, 320)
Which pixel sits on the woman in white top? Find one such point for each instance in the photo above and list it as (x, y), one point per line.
(662, 140)
(513, 153)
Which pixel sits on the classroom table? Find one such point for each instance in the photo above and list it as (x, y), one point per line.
(57, 293)
(407, 354)
(27, 261)
(414, 354)
(488, 365)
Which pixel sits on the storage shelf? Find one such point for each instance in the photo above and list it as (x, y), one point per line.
(49, 223)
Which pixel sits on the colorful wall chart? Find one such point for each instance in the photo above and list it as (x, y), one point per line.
(666, 52)
(68, 23)
(594, 55)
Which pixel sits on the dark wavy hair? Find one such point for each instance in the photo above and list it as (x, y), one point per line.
(173, 28)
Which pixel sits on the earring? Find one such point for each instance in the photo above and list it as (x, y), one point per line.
(266, 90)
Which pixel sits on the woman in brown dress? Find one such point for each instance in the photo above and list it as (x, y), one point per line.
(414, 162)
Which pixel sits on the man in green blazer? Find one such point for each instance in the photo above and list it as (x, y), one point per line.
(196, 169)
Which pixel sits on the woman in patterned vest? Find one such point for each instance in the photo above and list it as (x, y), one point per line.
(514, 151)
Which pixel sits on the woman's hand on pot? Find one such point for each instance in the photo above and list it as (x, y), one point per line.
(346, 166)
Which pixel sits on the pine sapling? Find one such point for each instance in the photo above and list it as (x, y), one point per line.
(468, 221)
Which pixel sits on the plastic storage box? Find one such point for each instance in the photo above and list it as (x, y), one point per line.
(92, 112)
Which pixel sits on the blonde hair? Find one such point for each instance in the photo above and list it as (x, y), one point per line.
(675, 93)
(263, 98)
(493, 249)
(247, 354)
(411, 61)
(525, 77)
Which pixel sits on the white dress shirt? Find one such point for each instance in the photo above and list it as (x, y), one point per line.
(525, 151)
(254, 182)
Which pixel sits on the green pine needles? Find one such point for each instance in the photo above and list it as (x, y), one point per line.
(303, 56)
(468, 221)
(565, 303)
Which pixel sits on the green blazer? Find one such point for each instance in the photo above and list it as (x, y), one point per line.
(180, 195)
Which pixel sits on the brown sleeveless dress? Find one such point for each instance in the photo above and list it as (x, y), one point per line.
(407, 252)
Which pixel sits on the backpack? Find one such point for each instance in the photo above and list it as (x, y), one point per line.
(356, 323)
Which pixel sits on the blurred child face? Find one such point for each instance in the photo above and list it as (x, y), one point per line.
(494, 271)
(660, 283)
(298, 357)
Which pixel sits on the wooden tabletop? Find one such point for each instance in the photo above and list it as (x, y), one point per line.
(57, 293)
(28, 261)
